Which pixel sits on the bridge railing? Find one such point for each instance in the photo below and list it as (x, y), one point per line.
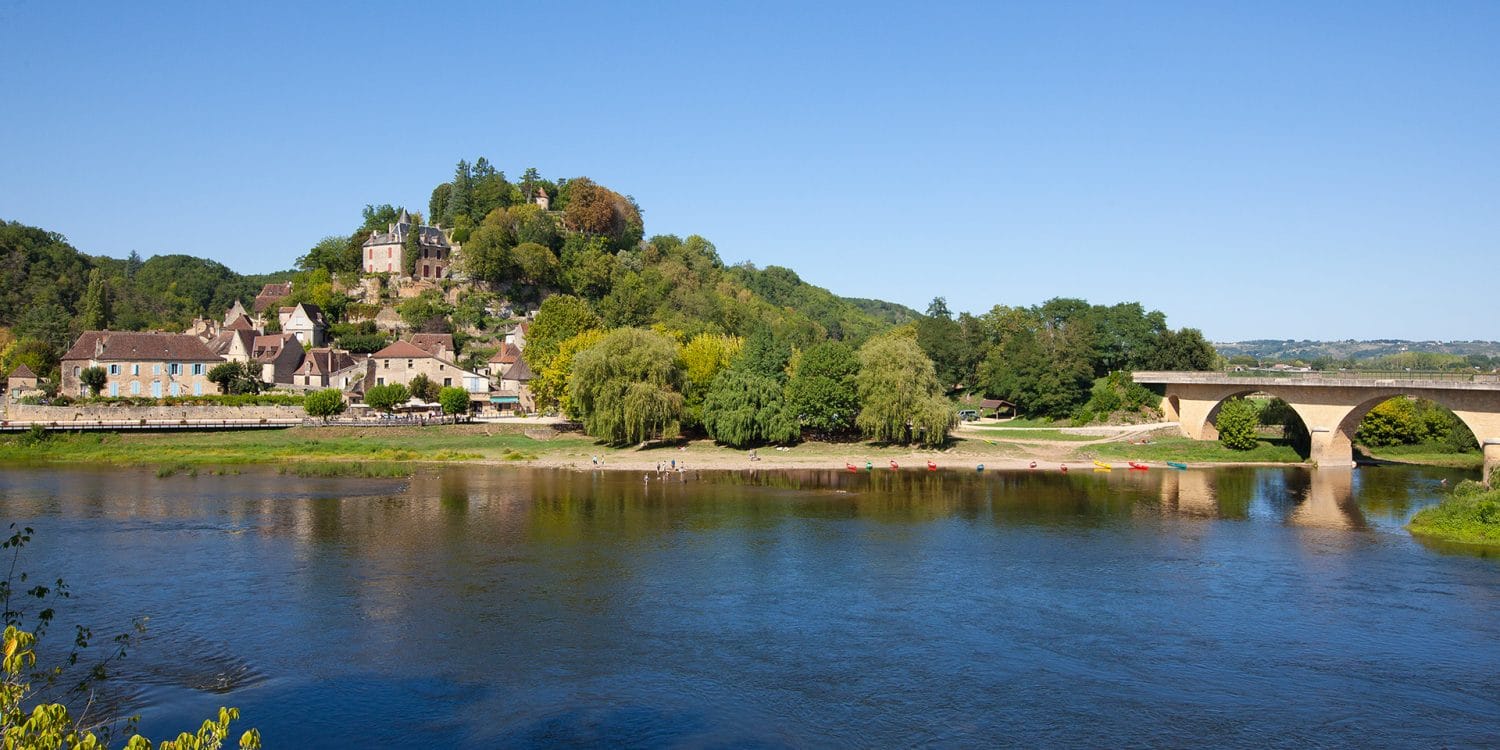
(1363, 376)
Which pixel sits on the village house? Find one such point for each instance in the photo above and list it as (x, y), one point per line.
(503, 358)
(319, 367)
(278, 354)
(140, 364)
(402, 361)
(513, 392)
(269, 295)
(383, 253)
(22, 381)
(305, 321)
(517, 335)
(234, 345)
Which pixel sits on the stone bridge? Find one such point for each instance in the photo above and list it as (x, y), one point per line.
(1331, 404)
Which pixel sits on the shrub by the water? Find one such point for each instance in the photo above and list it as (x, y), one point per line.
(1237, 421)
(1470, 515)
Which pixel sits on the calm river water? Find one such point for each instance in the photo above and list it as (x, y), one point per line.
(529, 608)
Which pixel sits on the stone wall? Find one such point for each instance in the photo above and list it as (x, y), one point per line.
(171, 414)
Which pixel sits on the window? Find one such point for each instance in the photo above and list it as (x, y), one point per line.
(114, 369)
(156, 389)
(385, 364)
(174, 369)
(198, 368)
(379, 381)
(114, 390)
(408, 363)
(198, 388)
(156, 369)
(77, 370)
(447, 382)
(173, 388)
(135, 387)
(135, 369)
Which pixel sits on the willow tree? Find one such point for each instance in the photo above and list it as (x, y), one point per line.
(628, 387)
(899, 394)
(746, 408)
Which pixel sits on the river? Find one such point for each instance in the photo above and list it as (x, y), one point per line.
(508, 607)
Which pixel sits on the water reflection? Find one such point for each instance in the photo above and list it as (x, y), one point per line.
(503, 607)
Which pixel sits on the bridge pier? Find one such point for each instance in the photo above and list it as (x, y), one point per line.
(1331, 448)
(1491, 460)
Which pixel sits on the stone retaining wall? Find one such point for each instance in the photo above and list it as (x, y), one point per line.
(103, 413)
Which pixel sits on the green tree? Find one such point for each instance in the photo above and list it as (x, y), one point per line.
(899, 394)
(745, 408)
(237, 378)
(334, 254)
(324, 403)
(702, 359)
(1236, 422)
(549, 388)
(941, 340)
(94, 312)
(627, 388)
(823, 395)
(559, 318)
(535, 264)
(95, 378)
(423, 388)
(386, 398)
(454, 400)
(411, 248)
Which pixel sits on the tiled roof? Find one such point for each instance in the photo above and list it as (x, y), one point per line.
(518, 372)
(506, 354)
(22, 372)
(222, 343)
(240, 323)
(140, 347)
(433, 342)
(403, 349)
(268, 347)
(325, 361)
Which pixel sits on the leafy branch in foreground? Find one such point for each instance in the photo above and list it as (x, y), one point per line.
(31, 718)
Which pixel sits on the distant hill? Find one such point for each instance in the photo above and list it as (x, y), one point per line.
(890, 312)
(1308, 351)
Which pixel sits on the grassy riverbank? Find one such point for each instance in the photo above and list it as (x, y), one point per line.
(294, 445)
(1427, 454)
(1161, 449)
(1471, 515)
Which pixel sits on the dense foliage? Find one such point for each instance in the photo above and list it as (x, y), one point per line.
(900, 397)
(1411, 421)
(1237, 421)
(627, 388)
(324, 403)
(385, 398)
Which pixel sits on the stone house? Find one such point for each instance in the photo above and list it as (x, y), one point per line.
(319, 367)
(305, 321)
(517, 335)
(513, 391)
(21, 380)
(269, 295)
(402, 361)
(542, 199)
(383, 253)
(234, 345)
(503, 358)
(141, 364)
(278, 354)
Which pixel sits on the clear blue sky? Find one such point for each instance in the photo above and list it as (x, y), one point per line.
(1257, 170)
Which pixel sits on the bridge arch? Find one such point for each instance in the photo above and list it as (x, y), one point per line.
(1331, 405)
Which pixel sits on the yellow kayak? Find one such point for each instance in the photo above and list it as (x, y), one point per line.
(1104, 466)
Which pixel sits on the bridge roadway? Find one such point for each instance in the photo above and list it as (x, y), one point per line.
(1331, 404)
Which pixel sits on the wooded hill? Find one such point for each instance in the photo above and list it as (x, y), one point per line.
(533, 239)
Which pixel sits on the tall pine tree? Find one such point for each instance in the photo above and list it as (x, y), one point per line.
(93, 309)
